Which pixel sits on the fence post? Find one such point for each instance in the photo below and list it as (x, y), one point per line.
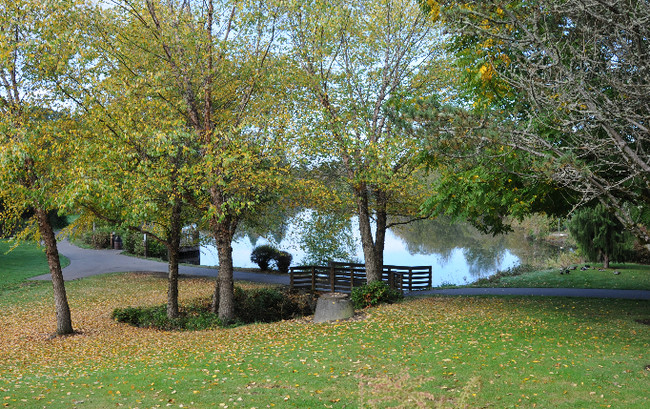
(430, 276)
(391, 278)
(332, 278)
(291, 278)
(410, 279)
(351, 278)
(313, 279)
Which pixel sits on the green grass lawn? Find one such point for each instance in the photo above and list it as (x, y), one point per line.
(631, 277)
(451, 352)
(26, 261)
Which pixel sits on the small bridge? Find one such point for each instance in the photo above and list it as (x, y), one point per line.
(343, 277)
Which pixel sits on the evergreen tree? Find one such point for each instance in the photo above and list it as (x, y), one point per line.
(599, 235)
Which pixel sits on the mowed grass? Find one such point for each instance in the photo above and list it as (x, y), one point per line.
(25, 261)
(449, 352)
(631, 277)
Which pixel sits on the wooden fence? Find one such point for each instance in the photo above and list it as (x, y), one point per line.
(343, 277)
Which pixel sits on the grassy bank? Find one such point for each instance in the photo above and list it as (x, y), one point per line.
(26, 261)
(630, 277)
(437, 352)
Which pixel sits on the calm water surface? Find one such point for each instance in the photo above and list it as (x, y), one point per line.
(458, 253)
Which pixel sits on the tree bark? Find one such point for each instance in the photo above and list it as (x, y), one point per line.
(63, 318)
(373, 247)
(173, 251)
(223, 227)
(225, 282)
(605, 260)
(215, 298)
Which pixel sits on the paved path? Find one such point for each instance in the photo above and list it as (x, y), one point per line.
(85, 263)
(544, 292)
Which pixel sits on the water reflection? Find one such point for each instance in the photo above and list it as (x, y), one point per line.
(457, 252)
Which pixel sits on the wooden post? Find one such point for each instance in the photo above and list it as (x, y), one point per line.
(332, 278)
(391, 278)
(313, 279)
(430, 276)
(291, 278)
(410, 279)
(351, 278)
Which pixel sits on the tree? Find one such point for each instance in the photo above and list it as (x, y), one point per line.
(566, 82)
(474, 174)
(353, 62)
(213, 71)
(36, 47)
(133, 165)
(140, 187)
(600, 235)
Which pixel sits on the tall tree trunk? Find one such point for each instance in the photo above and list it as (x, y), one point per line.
(373, 248)
(63, 318)
(223, 228)
(173, 251)
(225, 284)
(381, 219)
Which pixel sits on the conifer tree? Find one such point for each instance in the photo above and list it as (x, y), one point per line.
(600, 235)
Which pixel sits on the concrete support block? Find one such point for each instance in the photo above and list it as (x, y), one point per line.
(333, 307)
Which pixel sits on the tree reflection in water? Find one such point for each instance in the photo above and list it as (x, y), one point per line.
(457, 251)
(483, 253)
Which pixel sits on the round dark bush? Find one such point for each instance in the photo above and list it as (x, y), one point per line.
(263, 255)
(283, 261)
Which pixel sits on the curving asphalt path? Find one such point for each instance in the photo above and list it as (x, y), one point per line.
(86, 263)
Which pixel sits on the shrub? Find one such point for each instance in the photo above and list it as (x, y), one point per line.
(142, 316)
(263, 255)
(256, 305)
(268, 305)
(374, 293)
(134, 244)
(283, 261)
(193, 318)
(129, 241)
(100, 238)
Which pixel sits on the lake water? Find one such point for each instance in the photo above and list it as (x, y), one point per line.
(458, 253)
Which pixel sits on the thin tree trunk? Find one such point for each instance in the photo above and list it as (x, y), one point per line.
(63, 318)
(605, 260)
(173, 251)
(172, 285)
